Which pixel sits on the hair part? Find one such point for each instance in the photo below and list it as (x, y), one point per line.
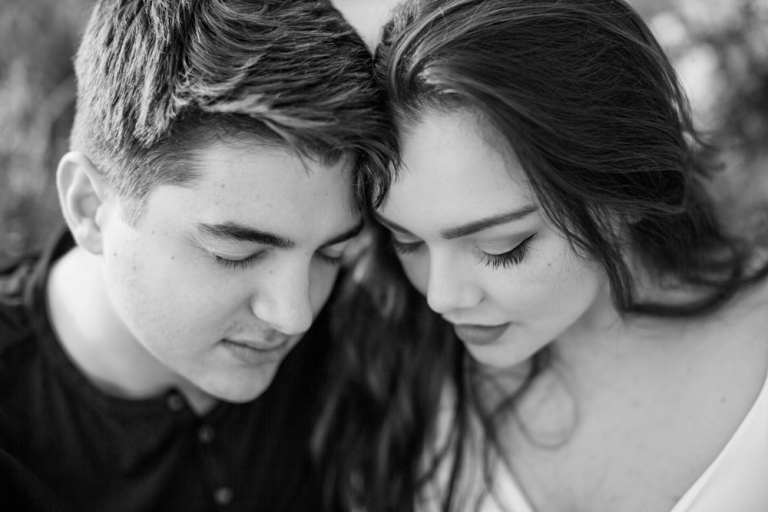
(159, 79)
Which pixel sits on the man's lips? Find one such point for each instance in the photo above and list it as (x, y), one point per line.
(474, 334)
(273, 343)
(255, 352)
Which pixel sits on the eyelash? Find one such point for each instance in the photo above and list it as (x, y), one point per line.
(509, 258)
(329, 260)
(401, 248)
(237, 264)
(504, 260)
(251, 260)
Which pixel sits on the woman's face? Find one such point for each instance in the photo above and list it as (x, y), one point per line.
(473, 239)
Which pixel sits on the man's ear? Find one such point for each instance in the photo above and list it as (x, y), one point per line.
(82, 193)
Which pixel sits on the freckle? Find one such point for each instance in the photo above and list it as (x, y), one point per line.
(173, 257)
(722, 400)
(114, 254)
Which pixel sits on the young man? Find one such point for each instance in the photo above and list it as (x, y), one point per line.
(149, 358)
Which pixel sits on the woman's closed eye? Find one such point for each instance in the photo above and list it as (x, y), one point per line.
(330, 258)
(333, 254)
(503, 260)
(507, 259)
(405, 248)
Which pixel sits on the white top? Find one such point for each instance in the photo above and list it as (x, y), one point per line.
(737, 480)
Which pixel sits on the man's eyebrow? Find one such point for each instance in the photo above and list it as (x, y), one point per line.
(488, 222)
(346, 235)
(467, 229)
(233, 232)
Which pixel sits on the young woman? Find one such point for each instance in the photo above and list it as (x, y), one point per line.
(551, 205)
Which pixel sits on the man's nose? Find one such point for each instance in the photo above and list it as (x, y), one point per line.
(283, 300)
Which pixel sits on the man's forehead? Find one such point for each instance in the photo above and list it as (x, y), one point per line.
(271, 167)
(313, 157)
(246, 190)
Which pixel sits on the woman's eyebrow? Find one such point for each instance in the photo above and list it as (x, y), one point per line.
(469, 228)
(488, 222)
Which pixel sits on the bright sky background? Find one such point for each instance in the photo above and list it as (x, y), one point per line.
(367, 16)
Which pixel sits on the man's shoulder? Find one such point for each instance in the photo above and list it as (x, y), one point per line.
(14, 274)
(22, 293)
(15, 277)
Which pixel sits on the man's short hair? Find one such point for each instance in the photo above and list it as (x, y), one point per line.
(158, 80)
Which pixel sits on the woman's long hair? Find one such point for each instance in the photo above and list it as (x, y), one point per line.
(392, 360)
(584, 96)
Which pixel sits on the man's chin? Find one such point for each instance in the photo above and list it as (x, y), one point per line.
(247, 388)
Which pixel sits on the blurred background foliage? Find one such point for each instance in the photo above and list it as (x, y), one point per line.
(720, 48)
(720, 51)
(37, 93)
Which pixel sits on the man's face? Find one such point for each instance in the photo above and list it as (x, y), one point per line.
(220, 278)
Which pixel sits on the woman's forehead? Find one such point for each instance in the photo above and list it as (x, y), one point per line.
(450, 171)
(436, 124)
(458, 146)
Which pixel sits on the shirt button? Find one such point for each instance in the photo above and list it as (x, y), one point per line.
(205, 434)
(175, 402)
(223, 495)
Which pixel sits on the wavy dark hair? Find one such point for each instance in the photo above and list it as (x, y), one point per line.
(586, 99)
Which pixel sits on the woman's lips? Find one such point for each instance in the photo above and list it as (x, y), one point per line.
(480, 334)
